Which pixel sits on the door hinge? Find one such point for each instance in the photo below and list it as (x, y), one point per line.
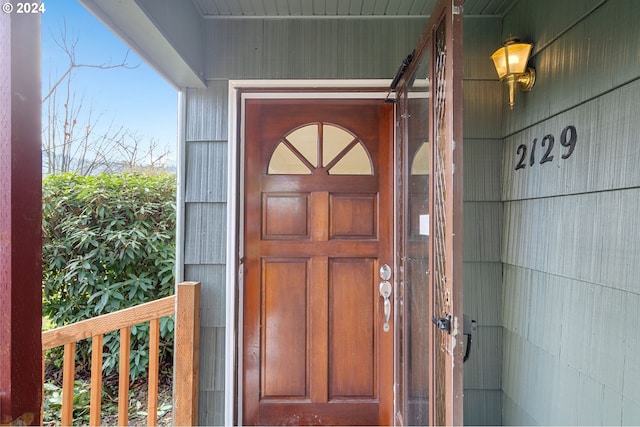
(457, 10)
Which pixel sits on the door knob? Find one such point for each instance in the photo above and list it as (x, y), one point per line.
(385, 292)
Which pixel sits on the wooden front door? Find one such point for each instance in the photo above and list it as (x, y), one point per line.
(318, 227)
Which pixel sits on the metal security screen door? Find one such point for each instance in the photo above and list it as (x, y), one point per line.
(429, 154)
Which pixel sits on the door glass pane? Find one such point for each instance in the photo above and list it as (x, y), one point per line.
(284, 161)
(305, 140)
(334, 140)
(416, 230)
(355, 162)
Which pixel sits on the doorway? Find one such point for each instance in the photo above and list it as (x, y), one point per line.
(318, 227)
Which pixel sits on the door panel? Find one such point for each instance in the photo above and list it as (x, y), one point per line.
(353, 216)
(285, 216)
(318, 212)
(284, 298)
(352, 303)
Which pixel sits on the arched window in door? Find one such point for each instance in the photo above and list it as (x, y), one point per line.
(320, 148)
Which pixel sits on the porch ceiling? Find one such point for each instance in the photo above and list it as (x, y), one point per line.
(338, 8)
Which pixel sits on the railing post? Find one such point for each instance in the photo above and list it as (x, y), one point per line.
(186, 354)
(68, 382)
(124, 369)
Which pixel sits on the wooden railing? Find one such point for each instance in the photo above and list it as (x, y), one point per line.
(186, 306)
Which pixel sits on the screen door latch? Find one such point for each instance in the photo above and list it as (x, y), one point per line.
(443, 323)
(469, 327)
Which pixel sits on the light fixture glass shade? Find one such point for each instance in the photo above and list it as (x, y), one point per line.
(511, 58)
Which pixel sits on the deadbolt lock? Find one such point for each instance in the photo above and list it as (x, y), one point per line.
(385, 272)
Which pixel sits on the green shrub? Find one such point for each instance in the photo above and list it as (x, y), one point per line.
(52, 402)
(108, 244)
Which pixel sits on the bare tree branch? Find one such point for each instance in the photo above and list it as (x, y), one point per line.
(75, 139)
(70, 51)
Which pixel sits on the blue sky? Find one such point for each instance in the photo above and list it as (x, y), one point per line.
(137, 99)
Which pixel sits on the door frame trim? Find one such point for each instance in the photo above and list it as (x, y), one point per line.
(238, 91)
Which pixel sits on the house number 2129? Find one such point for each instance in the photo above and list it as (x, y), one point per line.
(568, 139)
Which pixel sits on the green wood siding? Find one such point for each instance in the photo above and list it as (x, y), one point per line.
(205, 196)
(571, 233)
(604, 159)
(309, 48)
(482, 222)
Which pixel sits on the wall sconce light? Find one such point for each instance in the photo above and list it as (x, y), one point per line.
(511, 65)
